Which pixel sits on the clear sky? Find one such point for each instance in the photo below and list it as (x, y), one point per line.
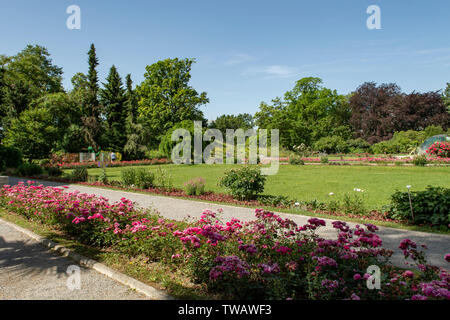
(247, 51)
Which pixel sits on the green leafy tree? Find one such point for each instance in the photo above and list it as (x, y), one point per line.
(24, 77)
(34, 132)
(165, 96)
(447, 97)
(241, 121)
(307, 113)
(113, 99)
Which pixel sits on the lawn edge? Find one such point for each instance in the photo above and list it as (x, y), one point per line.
(137, 285)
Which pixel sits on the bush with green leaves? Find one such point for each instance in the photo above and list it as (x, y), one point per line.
(420, 161)
(10, 157)
(296, 160)
(79, 174)
(429, 206)
(28, 170)
(144, 179)
(163, 179)
(54, 171)
(245, 183)
(195, 187)
(331, 144)
(128, 177)
(324, 160)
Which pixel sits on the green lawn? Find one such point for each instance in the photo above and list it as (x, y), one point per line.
(316, 182)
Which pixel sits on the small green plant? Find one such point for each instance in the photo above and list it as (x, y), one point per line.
(245, 183)
(195, 187)
(275, 201)
(103, 177)
(324, 160)
(420, 160)
(296, 160)
(163, 179)
(354, 203)
(144, 179)
(79, 174)
(129, 177)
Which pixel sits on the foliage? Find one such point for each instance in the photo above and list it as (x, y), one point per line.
(430, 206)
(406, 141)
(11, 157)
(241, 121)
(244, 183)
(166, 98)
(195, 186)
(379, 111)
(144, 178)
(79, 174)
(53, 171)
(324, 160)
(33, 132)
(28, 170)
(112, 98)
(420, 160)
(331, 144)
(296, 160)
(163, 179)
(307, 113)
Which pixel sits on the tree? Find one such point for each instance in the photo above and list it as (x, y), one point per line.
(241, 121)
(446, 97)
(91, 108)
(33, 132)
(112, 98)
(307, 113)
(379, 111)
(166, 98)
(25, 77)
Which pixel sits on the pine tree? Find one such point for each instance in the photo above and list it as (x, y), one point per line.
(91, 113)
(113, 99)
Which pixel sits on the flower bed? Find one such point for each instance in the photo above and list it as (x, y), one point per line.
(268, 258)
(95, 164)
(378, 160)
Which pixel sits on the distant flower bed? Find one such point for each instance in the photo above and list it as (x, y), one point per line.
(267, 258)
(378, 160)
(95, 164)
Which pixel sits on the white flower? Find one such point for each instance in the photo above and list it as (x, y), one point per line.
(357, 189)
(296, 204)
(408, 186)
(331, 193)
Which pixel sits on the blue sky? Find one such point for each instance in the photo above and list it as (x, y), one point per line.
(247, 51)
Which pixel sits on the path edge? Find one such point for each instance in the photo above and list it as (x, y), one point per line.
(137, 285)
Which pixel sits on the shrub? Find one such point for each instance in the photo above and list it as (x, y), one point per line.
(10, 157)
(195, 187)
(28, 170)
(79, 174)
(129, 177)
(144, 179)
(163, 179)
(358, 145)
(439, 149)
(354, 204)
(296, 160)
(54, 171)
(244, 183)
(275, 201)
(420, 161)
(154, 154)
(331, 144)
(103, 177)
(324, 160)
(430, 206)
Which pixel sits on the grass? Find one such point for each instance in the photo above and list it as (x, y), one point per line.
(317, 181)
(154, 274)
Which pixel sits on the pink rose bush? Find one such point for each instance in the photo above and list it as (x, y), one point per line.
(267, 258)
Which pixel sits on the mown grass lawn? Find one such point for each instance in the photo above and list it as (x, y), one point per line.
(316, 181)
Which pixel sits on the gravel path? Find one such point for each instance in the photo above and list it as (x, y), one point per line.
(29, 271)
(179, 209)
